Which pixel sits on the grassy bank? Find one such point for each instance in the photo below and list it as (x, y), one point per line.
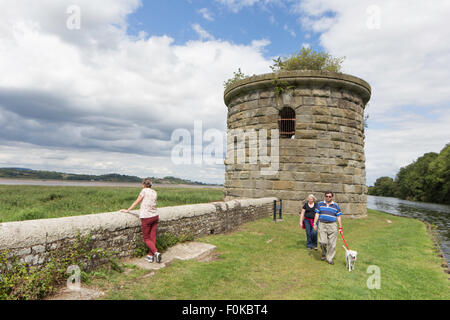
(39, 202)
(264, 260)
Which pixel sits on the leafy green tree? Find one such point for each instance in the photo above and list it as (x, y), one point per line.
(438, 178)
(412, 182)
(384, 186)
(426, 179)
(308, 59)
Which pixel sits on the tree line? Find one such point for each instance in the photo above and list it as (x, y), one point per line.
(426, 179)
(24, 173)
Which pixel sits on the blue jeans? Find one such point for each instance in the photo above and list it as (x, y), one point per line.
(311, 236)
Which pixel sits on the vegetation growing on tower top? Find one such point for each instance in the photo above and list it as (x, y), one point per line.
(308, 59)
(239, 75)
(305, 59)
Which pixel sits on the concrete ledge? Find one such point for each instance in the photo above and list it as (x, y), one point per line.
(181, 251)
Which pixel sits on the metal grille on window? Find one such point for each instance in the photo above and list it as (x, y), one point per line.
(286, 122)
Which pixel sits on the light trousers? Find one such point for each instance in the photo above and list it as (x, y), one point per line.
(327, 239)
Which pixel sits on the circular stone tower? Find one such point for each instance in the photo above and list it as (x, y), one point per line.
(293, 133)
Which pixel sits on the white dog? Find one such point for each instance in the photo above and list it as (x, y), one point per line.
(350, 259)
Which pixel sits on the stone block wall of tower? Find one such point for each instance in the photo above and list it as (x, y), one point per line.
(325, 154)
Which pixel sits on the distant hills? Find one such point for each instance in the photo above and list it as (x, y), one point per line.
(24, 173)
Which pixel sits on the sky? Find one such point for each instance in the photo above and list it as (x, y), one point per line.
(105, 86)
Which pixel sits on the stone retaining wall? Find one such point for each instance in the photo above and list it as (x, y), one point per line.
(32, 241)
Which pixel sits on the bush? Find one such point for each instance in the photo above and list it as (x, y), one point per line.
(305, 59)
(30, 214)
(384, 186)
(163, 242)
(21, 281)
(308, 59)
(239, 75)
(167, 240)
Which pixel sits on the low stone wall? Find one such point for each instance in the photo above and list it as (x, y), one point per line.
(33, 241)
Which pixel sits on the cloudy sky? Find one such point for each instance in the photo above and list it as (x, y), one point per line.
(101, 86)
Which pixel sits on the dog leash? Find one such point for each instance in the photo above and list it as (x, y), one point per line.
(344, 239)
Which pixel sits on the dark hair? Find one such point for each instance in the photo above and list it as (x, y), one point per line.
(329, 192)
(147, 182)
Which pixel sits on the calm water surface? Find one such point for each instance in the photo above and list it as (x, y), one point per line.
(437, 214)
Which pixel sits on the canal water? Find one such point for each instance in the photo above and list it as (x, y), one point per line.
(437, 214)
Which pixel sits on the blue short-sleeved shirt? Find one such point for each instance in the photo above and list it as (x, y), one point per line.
(328, 213)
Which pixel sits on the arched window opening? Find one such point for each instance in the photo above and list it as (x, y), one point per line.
(286, 122)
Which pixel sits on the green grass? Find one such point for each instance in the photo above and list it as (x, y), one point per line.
(267, 260)
(261, 260)
(39, 202)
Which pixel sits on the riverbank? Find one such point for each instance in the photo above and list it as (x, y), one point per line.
(437, 215)
(267, 260)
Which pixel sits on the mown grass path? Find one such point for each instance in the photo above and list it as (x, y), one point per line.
(267, 260)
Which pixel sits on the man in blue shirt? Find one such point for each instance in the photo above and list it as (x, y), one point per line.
(327, 213)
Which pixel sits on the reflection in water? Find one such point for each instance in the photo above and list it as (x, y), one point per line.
(437, 214)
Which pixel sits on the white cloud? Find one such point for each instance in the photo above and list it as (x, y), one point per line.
(98, 93)
(102, 22)
(202, 33)
(98, 162)
(101, 94)
(237, 5)
(414, 135)
(317, 25)
(206, 14)
(407, 59)
(289, 30)
(401, 49)
(272, 20)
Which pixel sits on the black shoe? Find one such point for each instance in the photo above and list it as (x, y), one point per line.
(323, 258)
(331, 262)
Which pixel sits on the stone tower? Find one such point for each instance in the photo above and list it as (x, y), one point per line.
(318, 118)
